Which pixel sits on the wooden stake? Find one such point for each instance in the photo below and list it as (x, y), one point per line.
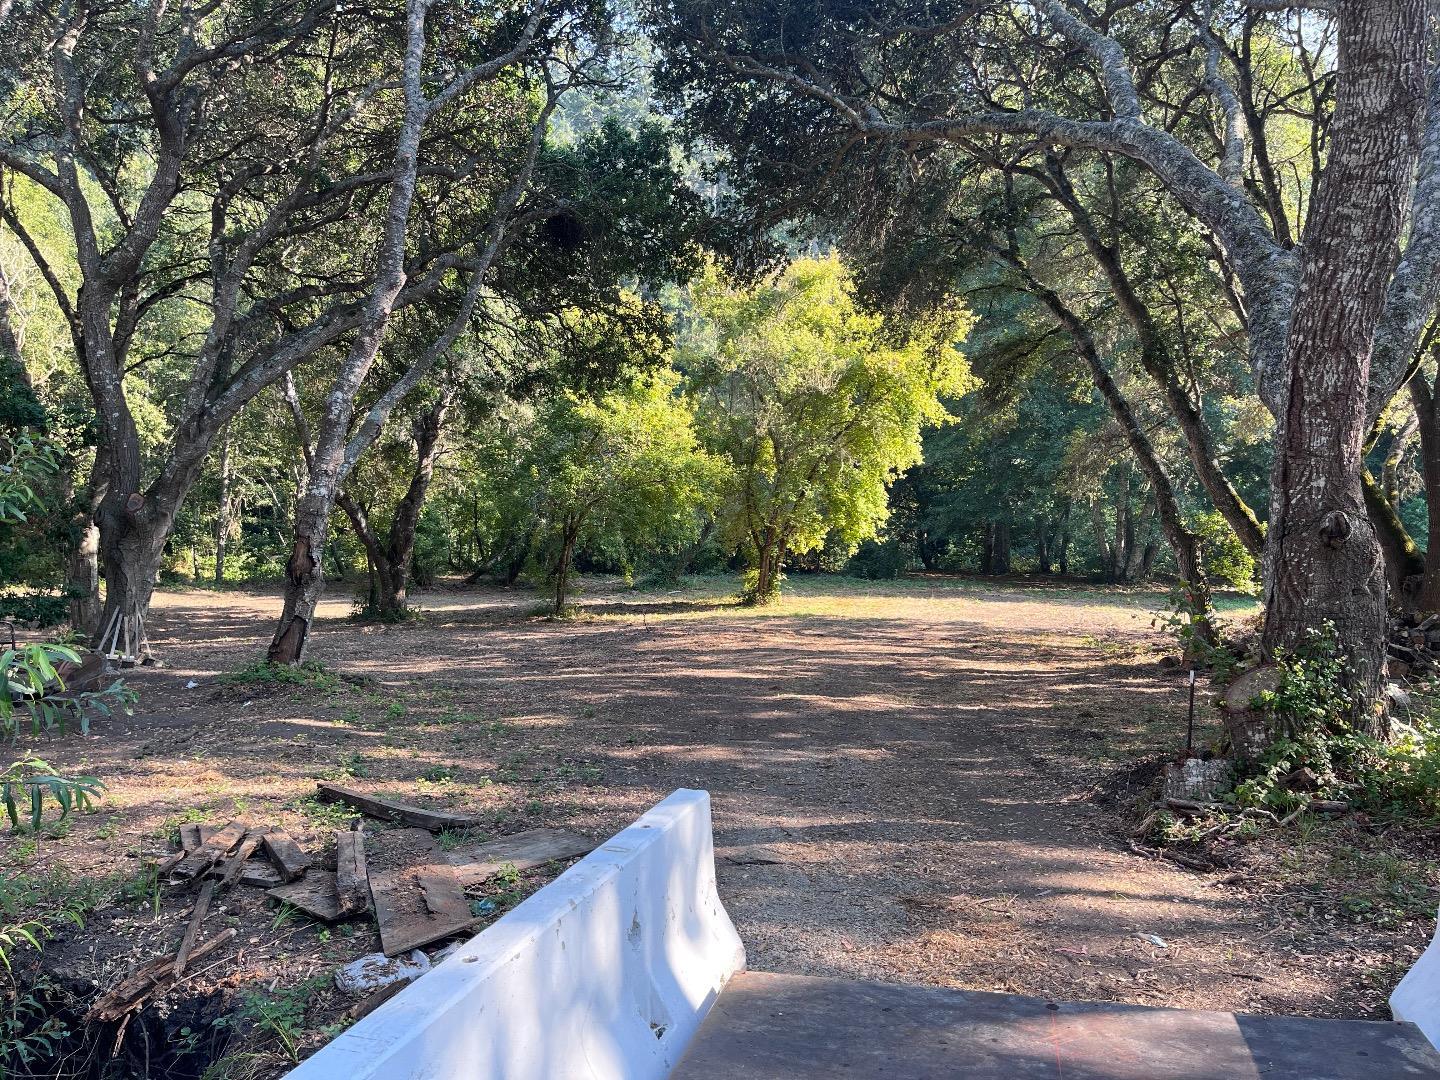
(197, 916)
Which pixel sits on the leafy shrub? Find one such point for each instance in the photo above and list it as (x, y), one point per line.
(35, 609)
(1227, 562)
(263, 673)
(1311, 706)
(33, 907)
(879, 560)
(281, 1014)
(30, 687)
(29, 781)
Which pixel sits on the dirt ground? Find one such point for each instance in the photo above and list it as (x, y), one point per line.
(909, 783)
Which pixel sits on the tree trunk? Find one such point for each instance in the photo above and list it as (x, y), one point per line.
(1395, 457)
(375, 558)
(82, 561)
(223, 509)
(400, 550)
(10, 333)
(1195, 582)
(1404, 565)
(562, 568)
(132, 543)
(1001, 564)
(924, 549)
(333, 455)
(1426, 399)
(1103, 540)
(1157, 360)
(304, 580)
(1326, 566)
(1064, 542)
(770, 549)
(518, 556)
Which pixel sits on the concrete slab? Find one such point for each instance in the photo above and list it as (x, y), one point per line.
(768, 1027)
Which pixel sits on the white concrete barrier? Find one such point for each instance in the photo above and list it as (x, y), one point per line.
(1417, 998)
(604, 974)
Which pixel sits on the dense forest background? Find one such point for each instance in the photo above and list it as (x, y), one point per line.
(636, 341)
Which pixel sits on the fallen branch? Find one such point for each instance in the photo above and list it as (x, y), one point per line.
(1187, 861)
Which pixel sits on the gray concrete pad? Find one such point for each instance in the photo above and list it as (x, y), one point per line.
(768, 1027)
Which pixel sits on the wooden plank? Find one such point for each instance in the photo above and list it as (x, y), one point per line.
(191, 837)
(235, 864)
(285, 855)
(523, 850)
(418, 897)
(135, 988)
(260, 874)
(210, 851)
(393, 810)
(313, 894)
(197, 916)
(368, 1004)
(352, 886)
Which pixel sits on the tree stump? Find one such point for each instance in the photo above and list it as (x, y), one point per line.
(1246, 725)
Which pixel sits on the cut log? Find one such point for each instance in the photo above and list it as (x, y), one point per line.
(197, 916)
(352, 887)
(393, 810)
(418, 897)
(158, 974)
(211, 850)
(1246, 725)
(523, 850)
(285, 855)
(313, 894)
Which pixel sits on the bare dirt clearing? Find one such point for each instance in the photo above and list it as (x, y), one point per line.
(902, 779)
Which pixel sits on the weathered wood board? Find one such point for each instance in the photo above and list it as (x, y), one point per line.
(523, 850)
(418, 897)
(392, 809)
(192, 932)
(211, 850)
(352, 886)
(313, 894)
(234, 864)
(136, 987)
(285, 855)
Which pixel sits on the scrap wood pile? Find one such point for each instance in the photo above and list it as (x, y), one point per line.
(415, 889)
(1413, 646)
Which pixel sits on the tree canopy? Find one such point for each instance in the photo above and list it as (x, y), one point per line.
(817, 404)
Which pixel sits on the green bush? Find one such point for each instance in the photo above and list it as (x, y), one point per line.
(311, 673)
(1312, 708)
(1226, 560)
(36, 609)
(879, 560)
